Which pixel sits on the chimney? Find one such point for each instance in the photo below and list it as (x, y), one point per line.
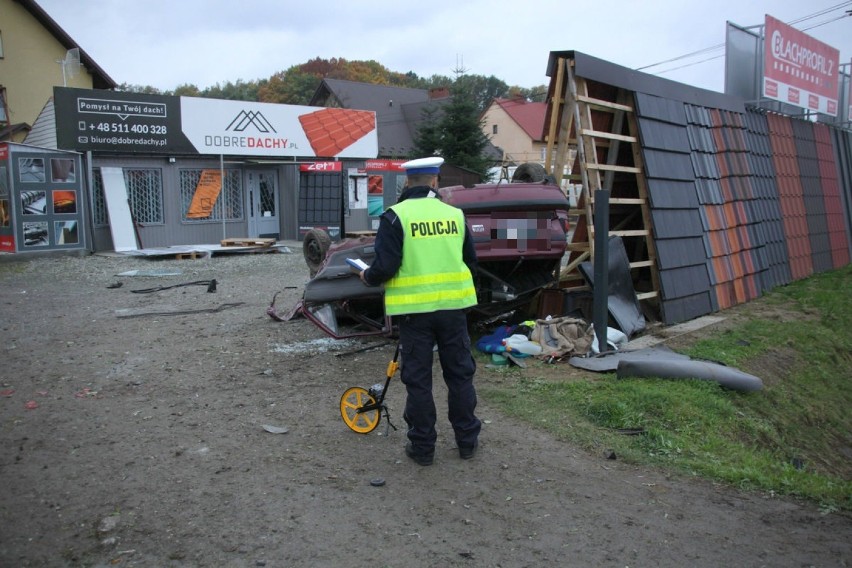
(438, 93)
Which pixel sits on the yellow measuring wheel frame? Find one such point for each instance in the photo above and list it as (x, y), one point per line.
(356, 399)
(351, 401)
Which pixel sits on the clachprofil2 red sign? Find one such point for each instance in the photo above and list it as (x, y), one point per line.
(799, 70)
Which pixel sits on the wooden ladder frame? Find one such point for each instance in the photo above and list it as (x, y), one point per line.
(571, 109)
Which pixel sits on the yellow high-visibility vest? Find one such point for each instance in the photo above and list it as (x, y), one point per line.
(433, 275)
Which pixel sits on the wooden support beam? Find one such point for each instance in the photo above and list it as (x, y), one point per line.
(647, 295)
(626, 201)
(574, 264)
(574, 247)
(604, 104)
(608, 135)
(609, 168)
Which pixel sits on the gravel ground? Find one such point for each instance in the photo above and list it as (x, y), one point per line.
(134, 435)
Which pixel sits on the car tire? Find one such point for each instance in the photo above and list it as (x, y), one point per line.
(314, 248)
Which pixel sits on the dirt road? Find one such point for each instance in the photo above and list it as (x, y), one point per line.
(134, 436)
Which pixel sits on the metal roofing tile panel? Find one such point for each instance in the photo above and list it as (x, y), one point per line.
(667, 165)
(684, 309)
(663, 135)
(667, 110)
(666, 193)
(684, 281)
(676, 223)
(676, 253)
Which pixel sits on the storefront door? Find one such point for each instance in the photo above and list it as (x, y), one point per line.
(262, 204)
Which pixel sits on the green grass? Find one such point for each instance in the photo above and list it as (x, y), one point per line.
(794, 437)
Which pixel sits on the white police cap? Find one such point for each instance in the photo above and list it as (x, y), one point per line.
(423, 166)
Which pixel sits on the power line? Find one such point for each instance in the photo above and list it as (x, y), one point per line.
(722, 45)
(817, 14)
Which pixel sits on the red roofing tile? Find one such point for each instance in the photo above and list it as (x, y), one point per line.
(331, 130)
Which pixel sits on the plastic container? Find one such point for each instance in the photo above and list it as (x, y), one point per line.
(522, 344)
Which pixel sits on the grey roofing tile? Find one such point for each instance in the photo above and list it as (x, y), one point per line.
(668, 194)
(676, 223)
(667, 165)
(667, 110)
(663, 135)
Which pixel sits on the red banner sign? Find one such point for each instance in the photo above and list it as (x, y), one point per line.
(4, 151)
(798, 69)
(7, 243)
(384, 165)
(322, 167)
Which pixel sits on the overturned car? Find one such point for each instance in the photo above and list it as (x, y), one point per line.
(519, 229)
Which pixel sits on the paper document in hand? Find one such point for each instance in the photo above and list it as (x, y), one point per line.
(357, 264)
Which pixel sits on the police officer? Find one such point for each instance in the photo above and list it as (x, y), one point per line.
(426, 258)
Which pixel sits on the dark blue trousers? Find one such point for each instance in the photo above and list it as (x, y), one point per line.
(418, 334)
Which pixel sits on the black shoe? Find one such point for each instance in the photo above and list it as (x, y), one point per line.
(418, 457)
(467, 452)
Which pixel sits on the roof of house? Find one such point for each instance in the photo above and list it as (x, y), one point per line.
(100, 79)
(398, 109)
(529, 116)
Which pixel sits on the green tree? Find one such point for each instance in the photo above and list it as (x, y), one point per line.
(239, 91)
(146, 89)
(292, 87)
(455, 133)
(482, 90)
(187, 90)
(428, 141)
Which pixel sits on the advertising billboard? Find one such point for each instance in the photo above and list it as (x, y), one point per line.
(799, 69)
(110, 121)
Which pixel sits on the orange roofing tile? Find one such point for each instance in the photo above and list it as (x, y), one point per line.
(332, 130)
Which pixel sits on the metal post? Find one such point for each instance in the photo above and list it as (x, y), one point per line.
(89, 212)
(600, 310)
(222, 193)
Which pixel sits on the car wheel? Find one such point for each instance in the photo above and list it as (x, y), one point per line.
(314, 247)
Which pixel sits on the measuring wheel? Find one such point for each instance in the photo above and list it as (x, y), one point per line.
(361, 422)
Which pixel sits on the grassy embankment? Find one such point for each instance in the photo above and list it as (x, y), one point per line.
(794, 437)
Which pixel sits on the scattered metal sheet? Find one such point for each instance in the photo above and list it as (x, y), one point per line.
(609, 361)
(622, 302)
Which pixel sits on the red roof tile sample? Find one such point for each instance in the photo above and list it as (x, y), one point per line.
(732, 252)
(332, 130)
(790, 196)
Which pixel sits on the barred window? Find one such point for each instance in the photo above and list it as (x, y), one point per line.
(144, 192)
(229, 204)
(99, 210)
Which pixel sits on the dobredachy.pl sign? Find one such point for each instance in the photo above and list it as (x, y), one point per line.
(800, 70)
(141, 123)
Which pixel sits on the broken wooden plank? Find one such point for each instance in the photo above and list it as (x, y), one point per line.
(247, 242)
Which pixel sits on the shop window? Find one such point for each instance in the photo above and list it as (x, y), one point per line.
(228, 204)
(144, 191)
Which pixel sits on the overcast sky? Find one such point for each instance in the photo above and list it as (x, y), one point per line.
(166, 43)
